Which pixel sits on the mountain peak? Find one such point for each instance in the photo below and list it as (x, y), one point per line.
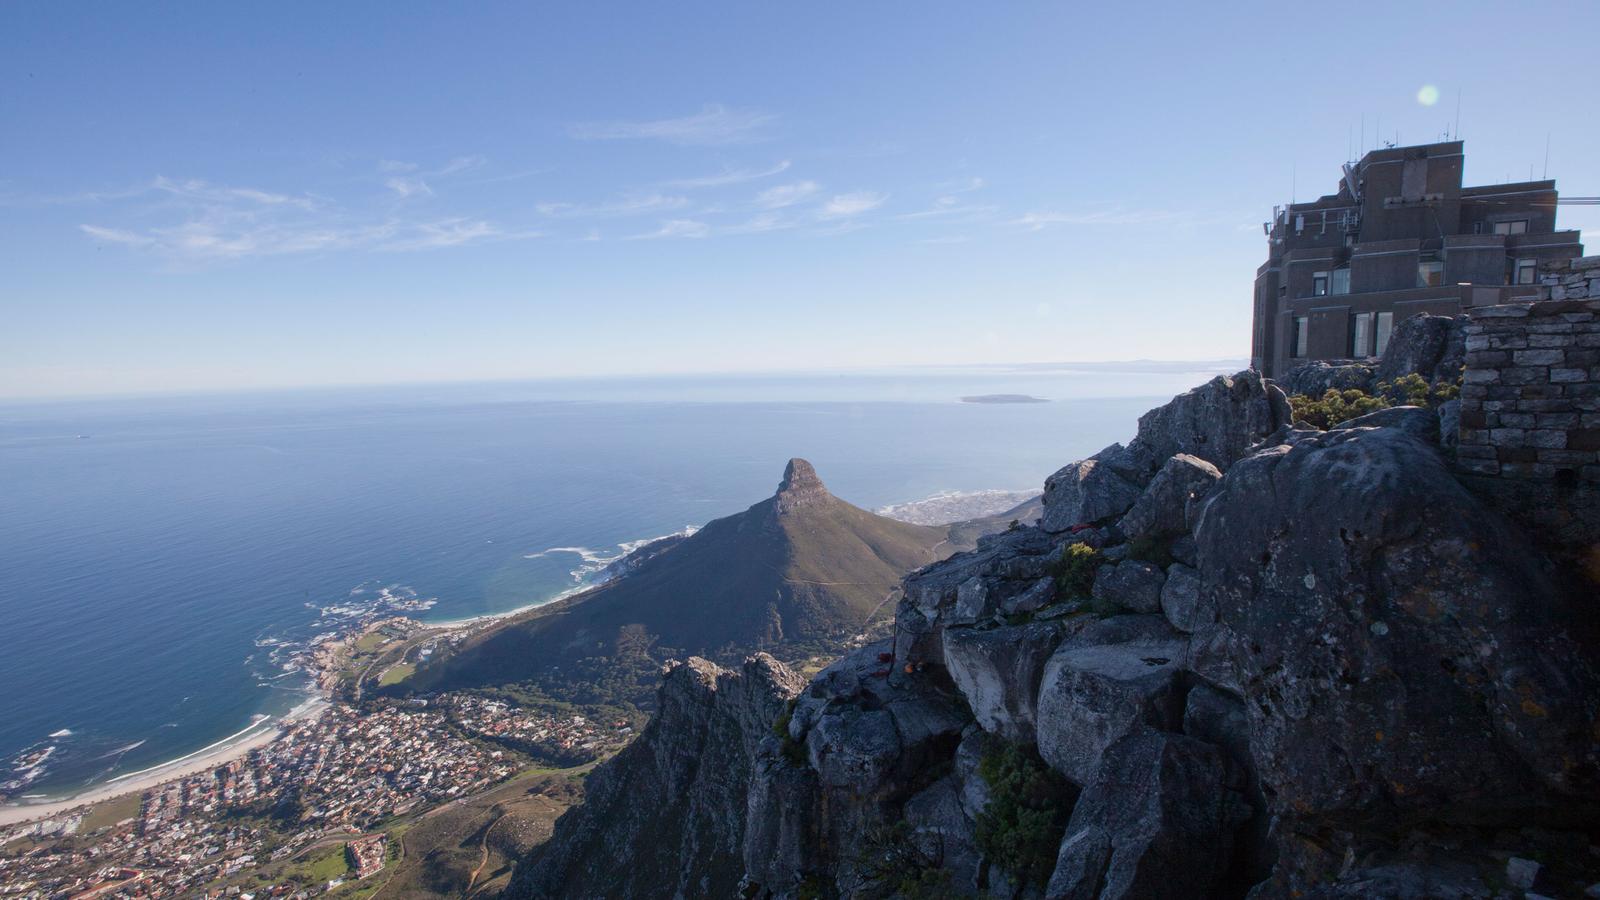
(800, 486)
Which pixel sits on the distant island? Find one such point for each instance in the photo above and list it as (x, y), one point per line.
(1004, 398)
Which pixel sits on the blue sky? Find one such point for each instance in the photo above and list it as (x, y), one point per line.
(213, 196)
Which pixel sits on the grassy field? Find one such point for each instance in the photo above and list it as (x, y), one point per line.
(324, 865)
(396, 674)
(110, 813)
(469, 848)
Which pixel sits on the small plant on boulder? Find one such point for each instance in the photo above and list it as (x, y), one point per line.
(1029, 803)
(1074, 571)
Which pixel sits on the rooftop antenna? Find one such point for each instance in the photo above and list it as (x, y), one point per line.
(1458, 114)
(1363, 144)
(1546, 173)
(1377, 133)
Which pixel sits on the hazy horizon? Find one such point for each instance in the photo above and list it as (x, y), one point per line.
(217, 198)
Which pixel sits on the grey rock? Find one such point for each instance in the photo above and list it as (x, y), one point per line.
(1316, 378)
(1037, 596)
(998, 670)
(1131, 584)
(943, 833)
(1521, 873)
(972, 602)
(1085, 492)
(1095, 694)
(1397, 632)
(975, 743)
(667, 813)
(1218, 421)
(1183, 548)
(1430, 346)
(1450, 424)
(1180, 599)
(1420, 423)
(1160, 510)
(853, 747)
(1157, 821)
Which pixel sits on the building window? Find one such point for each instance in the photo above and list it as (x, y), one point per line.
(1527, 272)
(1361, 336)
(1516, 226)
(1340, 283)
(1319, 284)
(1385, 328)
(1297, 340)
(1430, 273)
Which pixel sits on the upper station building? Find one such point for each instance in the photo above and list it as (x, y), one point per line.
(1400, 237)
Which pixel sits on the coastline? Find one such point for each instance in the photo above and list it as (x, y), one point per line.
(220, 753)
(267, 730)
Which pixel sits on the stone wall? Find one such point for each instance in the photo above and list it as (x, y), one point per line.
(1530, 419)
(1569, 279)
(1530, 397)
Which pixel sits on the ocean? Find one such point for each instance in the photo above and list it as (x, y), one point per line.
(158, 554)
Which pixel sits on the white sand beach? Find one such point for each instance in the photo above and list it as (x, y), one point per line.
(224, 751)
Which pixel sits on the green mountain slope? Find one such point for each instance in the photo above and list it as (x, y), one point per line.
(800, 570)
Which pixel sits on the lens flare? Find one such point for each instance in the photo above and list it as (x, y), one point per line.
(1428, 96)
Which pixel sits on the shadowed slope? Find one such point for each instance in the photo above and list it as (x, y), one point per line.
(800, 566)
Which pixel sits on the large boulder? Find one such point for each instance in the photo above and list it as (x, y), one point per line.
(998, 670)
(1160, 510)
(1130, 585)
(1420, 423)
(1218, 421)
(1431, 346)
(1093, 694)
(1084, 492)
(1403, 646)
(1157, 821)
(1316, 378)
(1180, 600)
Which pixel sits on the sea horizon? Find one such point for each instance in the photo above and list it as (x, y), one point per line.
(167, 555)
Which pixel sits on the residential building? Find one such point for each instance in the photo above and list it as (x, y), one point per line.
(1401, 236)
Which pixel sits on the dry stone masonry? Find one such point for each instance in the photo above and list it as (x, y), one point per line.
(1570, 279)
(1530, 398)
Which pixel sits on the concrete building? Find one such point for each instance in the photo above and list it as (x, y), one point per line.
(1401, 236)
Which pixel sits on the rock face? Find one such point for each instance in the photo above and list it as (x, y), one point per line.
(1431, 346)
(1215, 423)
(1353, 679)
(666, 816)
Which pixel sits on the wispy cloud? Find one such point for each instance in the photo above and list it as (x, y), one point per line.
(786, 194)
(1036, 221)
(452, 233)
(195, 189)
(760, 224)
(626, 206)
(676, 228)
(409, 187)
(714, 125)
(727, 177)
(854, 204)
(197, 220)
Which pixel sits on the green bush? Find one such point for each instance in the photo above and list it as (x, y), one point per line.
(1021, 828)
(1074, 571)
(792, 749)
(1337, 407)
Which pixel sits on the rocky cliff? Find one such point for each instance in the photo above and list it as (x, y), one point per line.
(1235, 658)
